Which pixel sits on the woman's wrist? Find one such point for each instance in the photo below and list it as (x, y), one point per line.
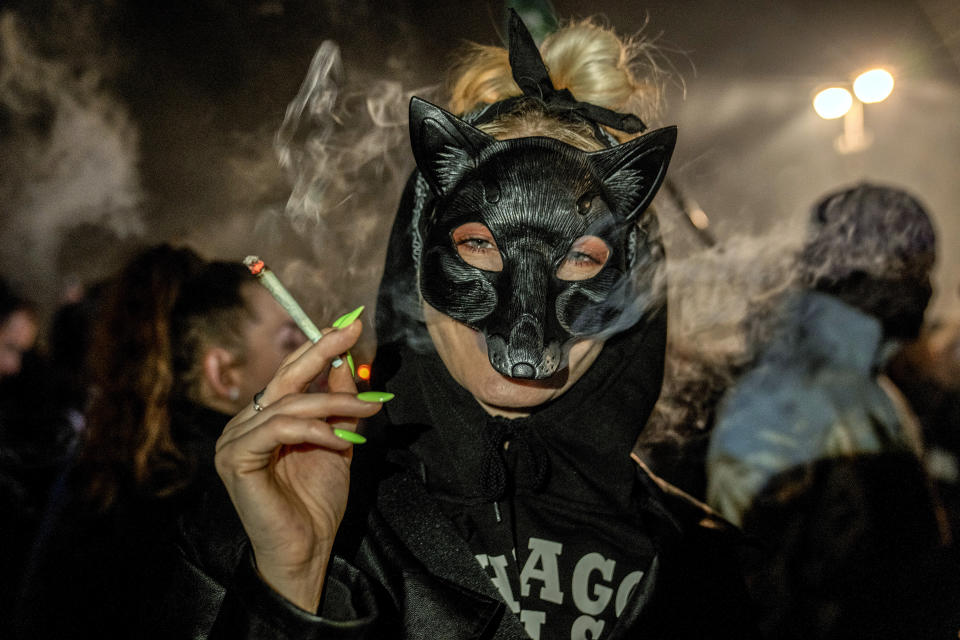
(301, 585)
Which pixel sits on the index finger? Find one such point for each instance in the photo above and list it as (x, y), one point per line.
(295, 374)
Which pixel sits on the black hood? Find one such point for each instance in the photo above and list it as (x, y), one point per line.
(587, 433)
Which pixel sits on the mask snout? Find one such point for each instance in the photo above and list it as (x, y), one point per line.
(522, 370)
(524, 356)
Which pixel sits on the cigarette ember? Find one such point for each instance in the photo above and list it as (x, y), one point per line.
(272, 284)
(255, 264)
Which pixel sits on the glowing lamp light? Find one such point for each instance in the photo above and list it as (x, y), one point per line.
(363, 372)
(832, 103)
(873, 86)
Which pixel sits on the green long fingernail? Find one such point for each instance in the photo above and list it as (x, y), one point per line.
(349, 436)
(346, 319)
(375, 396)
(353, 369)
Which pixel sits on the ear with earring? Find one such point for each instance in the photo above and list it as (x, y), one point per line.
(234, 394)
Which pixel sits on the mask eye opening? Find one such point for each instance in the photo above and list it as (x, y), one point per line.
(585, 259)
(475, 244)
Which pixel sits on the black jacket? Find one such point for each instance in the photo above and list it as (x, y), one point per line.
(102, 573)
(402, 567)
(411, 575)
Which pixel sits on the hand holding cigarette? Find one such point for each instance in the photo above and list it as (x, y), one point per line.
(287, 465)
(285, 458)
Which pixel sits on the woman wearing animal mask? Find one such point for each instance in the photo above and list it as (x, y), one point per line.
(521, 334)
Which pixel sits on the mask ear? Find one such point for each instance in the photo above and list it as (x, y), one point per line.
(445, 147)
(632, 172)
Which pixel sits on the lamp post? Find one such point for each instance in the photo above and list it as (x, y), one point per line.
(837, 102)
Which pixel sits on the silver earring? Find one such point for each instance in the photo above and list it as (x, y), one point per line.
(234, 393)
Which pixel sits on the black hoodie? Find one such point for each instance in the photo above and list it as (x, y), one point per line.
(549, 504)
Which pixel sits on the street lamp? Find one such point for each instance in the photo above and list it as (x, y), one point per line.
(832, 103)
(837, 102)
(873, 86)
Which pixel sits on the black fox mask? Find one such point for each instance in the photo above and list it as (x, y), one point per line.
(533, 242)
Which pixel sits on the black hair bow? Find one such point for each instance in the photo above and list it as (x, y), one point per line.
(531, 74)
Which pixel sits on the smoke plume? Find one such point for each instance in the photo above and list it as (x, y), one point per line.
(70, 159)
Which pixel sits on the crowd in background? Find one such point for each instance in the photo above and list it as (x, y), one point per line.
(836, 448)
(107, 429)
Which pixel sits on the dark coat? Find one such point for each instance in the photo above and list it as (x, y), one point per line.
(411, 575)
(809, 453)
(97, 573)
(402, 568)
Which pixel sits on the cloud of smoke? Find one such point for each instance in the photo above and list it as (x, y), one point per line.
(714, 294)
(723, 304)
(70, 155)
(344, 145)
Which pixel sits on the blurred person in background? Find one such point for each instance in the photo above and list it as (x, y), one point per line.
(18, 330)
(18, 334)
(812, 457)
(179, 345)
(68, 343)
(927, 371)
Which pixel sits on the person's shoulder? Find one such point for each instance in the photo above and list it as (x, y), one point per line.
(777, 409)
(703, 567)
(688, 515)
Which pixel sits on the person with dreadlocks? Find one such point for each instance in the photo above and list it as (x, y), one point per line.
(520, 345)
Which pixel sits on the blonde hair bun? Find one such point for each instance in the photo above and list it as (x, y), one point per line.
(590, 60)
